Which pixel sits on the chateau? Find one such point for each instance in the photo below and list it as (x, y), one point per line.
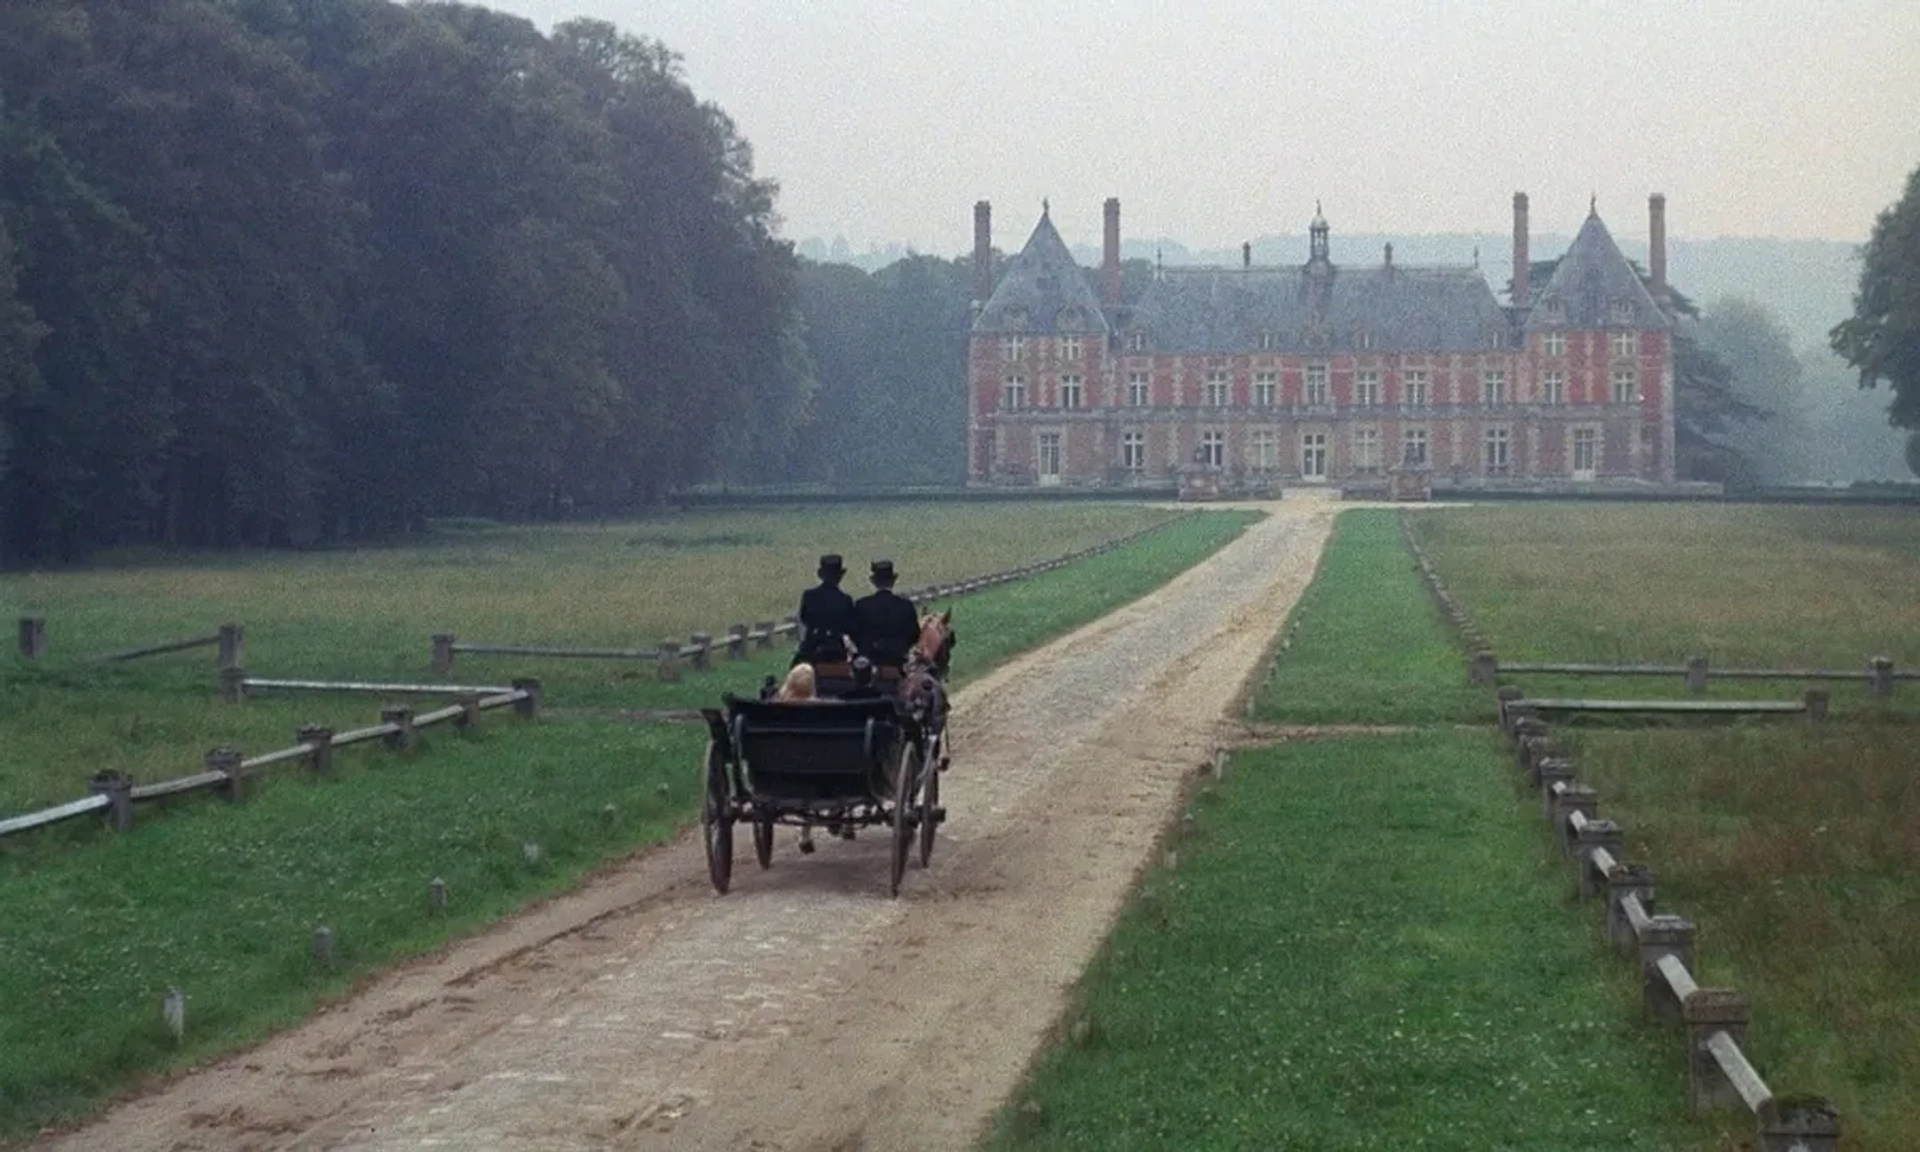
(1320, 372)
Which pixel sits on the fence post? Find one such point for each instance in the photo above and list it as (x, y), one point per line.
(763, 634)
(233, 645)
(33, 637)
(469, 710)
(1880, 676)
(319, 738)
(669, 662)
(227, 762)
(1707, 1011)
(736, 641)
(528, 706)
(118, 790)
(1482, 668)
(1561, 805)
(1817, 699)
(1809, 1124)
(1624, 881)
(1663, 936)
(1596, 835)
(1551, 770)
(406, 737)
(700, 649)
(443, 653)
(233, 684)
(1697, 675)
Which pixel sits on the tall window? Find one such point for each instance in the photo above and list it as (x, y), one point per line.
(1070, 392)
(1586, 451)
(1363, 340)
(1316, 383)
(1413, 447)
(1553, 387)
(1216, 392)
(1136, 342)
(1265, 389)
(1049, 453)
(1266, 341)
(1496, 451)
(1213, 448)
(1493, 387)
(1416, 389)
(1069, 347)
(1136, 389)
(1013, 349)
(1366, 389)
(1264, 450)
(1621, 345)
(1366, 450)
(1554, 344)
(1133, 451)
(1626, 386)
(1015, 393)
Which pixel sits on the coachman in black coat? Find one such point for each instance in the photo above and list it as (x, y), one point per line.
(886, 625)
(826, 617)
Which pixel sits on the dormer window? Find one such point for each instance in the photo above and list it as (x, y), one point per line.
(1555, 310)
(1621, 312)
(1267, 341)
(1072, 318)
(1363, 340)
(1136, 341)
(1014, 317)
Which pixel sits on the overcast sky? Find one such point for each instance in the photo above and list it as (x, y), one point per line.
(1216, 121)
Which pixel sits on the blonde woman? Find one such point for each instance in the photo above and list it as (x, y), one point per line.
(799, 685)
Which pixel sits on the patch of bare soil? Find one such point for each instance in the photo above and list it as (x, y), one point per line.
(805, 1010)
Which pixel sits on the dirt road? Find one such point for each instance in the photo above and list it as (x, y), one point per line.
(805, 1010)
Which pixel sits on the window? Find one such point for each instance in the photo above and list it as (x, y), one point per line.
(1136, 342)
(1133, 451)
(1620, 312)
(1070, 392)
(1496, 451)
(1049, 455)
(1413, 447)
(1555, 310)
(1069, 347)
(1554, 344)
(1316, 383)
(1217, 389)
(1621, 345)
(1586, 450)
(1366, 389)
(1264, 389)
(1313, 456)
(1553, 387)
(1213, 448)
(1626, 386)
(1416, 389)
(1366, 450)
(1493, 387)
(1265, 450)
(1136, 389)
(1015, 395)
(1363, 340)
(1013, 349)
(1266, 341)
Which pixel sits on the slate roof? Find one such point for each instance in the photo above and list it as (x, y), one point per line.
(1591, 278)
(1320, 311)
(1040, 284)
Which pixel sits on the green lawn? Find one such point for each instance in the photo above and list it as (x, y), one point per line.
(1370, 647)
(220, 900)
(1367, 944)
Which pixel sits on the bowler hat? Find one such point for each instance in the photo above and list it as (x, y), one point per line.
(830, 565)
(882, 572)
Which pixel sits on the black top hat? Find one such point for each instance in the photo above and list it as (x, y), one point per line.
(830, 565)
(883, 572)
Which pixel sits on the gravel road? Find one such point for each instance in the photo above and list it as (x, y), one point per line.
(805, 1010)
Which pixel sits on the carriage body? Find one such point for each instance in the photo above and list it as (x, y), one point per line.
(833, 763)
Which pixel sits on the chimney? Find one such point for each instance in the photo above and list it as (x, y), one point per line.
(1522, 268)
(982, 251)
(1657, 242)
(1110, 265)
(1246, 254)
(1389, 253)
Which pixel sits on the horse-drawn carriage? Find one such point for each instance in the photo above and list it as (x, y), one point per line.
(836, 761)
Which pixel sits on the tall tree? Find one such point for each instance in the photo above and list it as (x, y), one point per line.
(1882, 337)
(1750, 341)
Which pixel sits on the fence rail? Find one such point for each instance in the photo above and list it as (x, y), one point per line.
(736, 640)
(236, 686)
(227, 771)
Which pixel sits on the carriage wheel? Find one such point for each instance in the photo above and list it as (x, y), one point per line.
(763, 841)
(903, 792)
(929, 803)
(715, 823)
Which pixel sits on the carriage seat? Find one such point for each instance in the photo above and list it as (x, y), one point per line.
(819, 749)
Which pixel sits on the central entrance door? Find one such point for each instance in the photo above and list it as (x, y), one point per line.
(1313, 457)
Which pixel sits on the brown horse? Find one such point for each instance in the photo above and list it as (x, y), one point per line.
(921, 679)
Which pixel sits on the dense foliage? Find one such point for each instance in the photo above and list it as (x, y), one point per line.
(1882, 337)
(274, 270)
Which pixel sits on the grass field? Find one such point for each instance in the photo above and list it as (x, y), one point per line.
(1367, 942)
(1795, 849)
(221, 900)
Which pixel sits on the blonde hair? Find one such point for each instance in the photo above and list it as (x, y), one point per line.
(799, 684)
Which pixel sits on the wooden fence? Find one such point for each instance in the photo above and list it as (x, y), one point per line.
(734, 643)
(1714, 1022)
(1880, 674)
(230, 639)
(227, 771)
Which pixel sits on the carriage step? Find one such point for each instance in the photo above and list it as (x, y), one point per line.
(939, 814)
